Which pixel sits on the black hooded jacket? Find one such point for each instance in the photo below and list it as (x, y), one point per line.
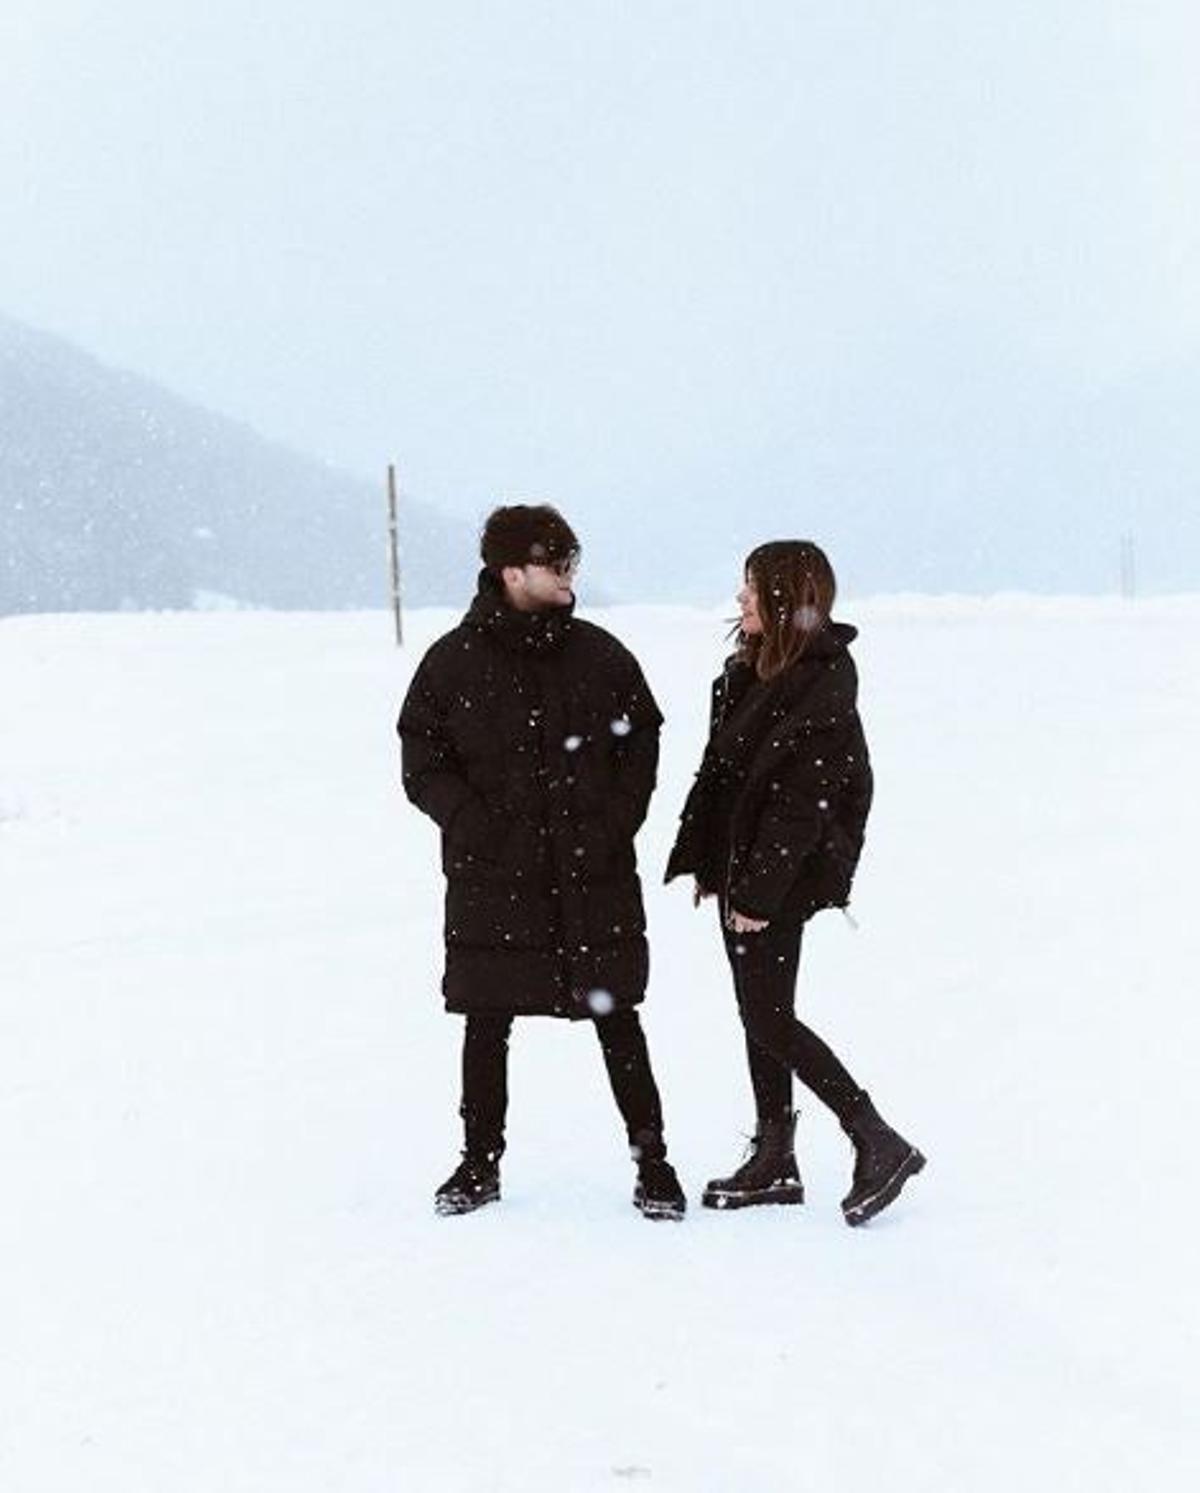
(532, 739)
(775, 818)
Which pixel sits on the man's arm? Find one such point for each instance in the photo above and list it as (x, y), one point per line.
(433, 775)
(635, 756)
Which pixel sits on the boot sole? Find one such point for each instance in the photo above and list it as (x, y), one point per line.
(782, 1194)
(658, 1211)
(451, 1206)
(862, 1212)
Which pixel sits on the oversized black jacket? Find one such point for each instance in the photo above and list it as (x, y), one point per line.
(532, 740)
(775, 819)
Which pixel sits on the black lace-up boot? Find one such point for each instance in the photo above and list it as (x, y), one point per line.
(474, 1182)
(883, 1162)
(768, 1174)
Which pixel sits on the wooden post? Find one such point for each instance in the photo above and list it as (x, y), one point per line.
(1128, 567)
(394, 553)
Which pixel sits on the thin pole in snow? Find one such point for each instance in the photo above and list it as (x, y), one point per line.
(1128, 567)
(394, 553)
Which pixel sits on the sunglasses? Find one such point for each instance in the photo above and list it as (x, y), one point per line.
(564, 569)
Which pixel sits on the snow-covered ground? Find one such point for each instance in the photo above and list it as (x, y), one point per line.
(228, 1089)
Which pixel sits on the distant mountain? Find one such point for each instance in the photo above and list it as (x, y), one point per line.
(115, 493)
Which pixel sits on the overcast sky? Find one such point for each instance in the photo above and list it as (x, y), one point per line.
(663, 263)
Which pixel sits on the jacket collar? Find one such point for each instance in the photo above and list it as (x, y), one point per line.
(742, 712)
(520, 632)
(835, 638)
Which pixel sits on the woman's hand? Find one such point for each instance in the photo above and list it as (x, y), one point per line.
(741, 924)
(700, 893)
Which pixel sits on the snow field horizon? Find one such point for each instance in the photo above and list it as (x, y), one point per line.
(230, 1088)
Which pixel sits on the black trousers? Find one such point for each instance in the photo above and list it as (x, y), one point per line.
(764, 967)
(485, 1082)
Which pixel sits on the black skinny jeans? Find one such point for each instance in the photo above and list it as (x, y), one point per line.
(484, 1104)
(764, 969)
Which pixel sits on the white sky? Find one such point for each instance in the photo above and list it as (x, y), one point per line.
(625, 256)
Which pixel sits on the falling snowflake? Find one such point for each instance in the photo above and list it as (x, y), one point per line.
(600, 1002)
(622, 726)
(573, 743)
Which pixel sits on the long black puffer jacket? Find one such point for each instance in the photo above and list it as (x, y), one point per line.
(776, 815)
(532, 740)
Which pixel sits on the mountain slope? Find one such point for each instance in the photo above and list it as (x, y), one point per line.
(116, 493)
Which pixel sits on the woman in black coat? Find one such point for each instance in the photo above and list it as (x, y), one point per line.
(773, 827)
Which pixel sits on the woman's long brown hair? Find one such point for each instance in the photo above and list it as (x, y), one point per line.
(795, 586)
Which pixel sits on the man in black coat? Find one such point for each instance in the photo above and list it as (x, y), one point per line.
(531, 738)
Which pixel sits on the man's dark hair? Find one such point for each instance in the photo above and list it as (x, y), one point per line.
(525, 534)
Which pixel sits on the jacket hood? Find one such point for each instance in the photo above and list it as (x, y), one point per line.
(738, 682)
(831, 639)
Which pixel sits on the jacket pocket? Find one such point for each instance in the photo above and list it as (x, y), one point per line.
(488, 843)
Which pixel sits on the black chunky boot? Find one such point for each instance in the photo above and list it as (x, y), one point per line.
(883, 1163)
(768, 1174)
(474, 1182)
(657, 1193)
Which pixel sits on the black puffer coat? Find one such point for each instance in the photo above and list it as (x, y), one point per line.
(774, 821)
(532, 739)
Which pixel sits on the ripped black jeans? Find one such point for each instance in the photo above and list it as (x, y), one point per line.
(484, 1106)
(764, 967)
